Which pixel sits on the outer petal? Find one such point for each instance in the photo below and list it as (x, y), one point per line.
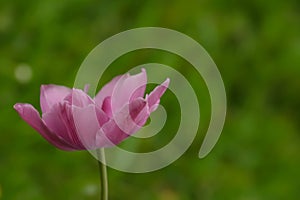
(88, 121)
(60, 121)
(153, 98)
(129, 120)
(127, 89)
(106, 91)
(79, 98)
(52, 94)
(29, 114)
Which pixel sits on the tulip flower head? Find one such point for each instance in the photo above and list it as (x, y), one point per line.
(72, 120)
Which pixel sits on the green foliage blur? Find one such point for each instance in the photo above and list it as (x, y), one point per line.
(255, 44)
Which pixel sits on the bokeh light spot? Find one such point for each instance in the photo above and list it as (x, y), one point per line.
(23, 73)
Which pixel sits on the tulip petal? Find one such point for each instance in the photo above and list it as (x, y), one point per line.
(79, 98)
(67, 118)
(153, 98)
(110, 135)
(106, 91)
(52, 94)
(60, 121)
(139, 111)
(106, 106)
(127, 89)
(29, 114)
(129, 120)
(88, 121)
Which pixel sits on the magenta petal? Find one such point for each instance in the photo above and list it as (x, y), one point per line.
(29, 114)
(132, 116)
(129, 120)
(79, 98)
(139, 111)
(106, 106)
(53, 120)
(110, 135)
(127, 89)
(153, 98)
(88, 121)
(52, 94)
(106, 91)
(60, 121)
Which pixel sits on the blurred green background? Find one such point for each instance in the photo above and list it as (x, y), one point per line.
(255, 44)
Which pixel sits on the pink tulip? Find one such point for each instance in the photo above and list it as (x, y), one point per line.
(72, 120)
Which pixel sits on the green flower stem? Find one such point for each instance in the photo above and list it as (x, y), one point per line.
(103, 174)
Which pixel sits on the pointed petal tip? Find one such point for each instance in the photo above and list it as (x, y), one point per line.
(46, 86)
(43, 88)
(154, 97)
(86, 88)
(18, 107)
(166, 82)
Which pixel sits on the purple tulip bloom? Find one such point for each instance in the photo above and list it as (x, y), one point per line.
(72, 120)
